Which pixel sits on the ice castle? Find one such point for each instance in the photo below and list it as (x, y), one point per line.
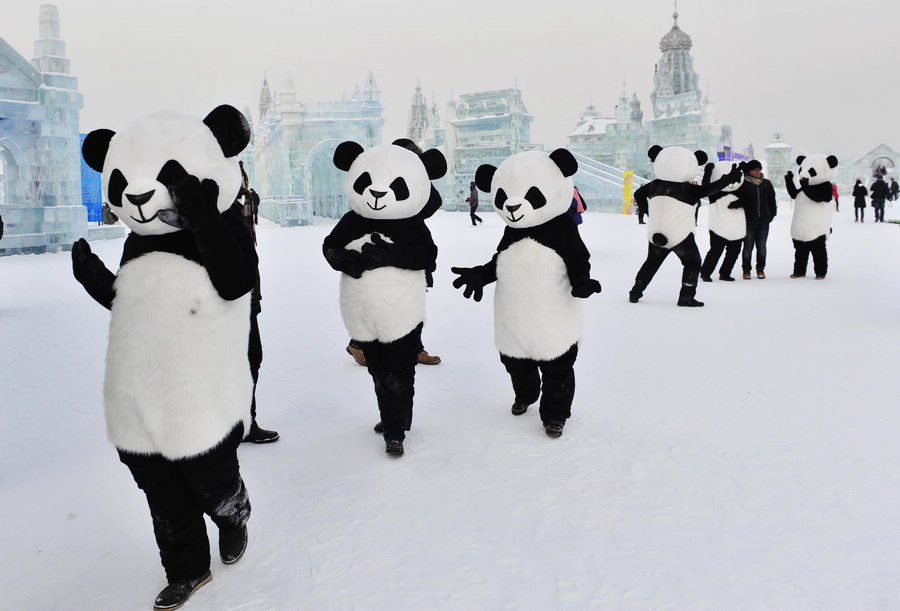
(289, 161)
(682, 115)
(40, 152)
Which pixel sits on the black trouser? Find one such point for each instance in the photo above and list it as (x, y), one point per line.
(255, 356)
(393, 370)
(859, 212)
(474, 216)
(179, 492)
(757, 234)
(878, 204)
(553, 381)
(819, 252)
(689, 255)
(717, 244)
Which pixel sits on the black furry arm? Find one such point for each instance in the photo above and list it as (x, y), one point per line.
(226, 252)
(93, 275)
(821, 192)
(474, 279)
(790, 186)
(334, 247)
(640, 198)
(578, 266)
(709, 187)
(413, 249)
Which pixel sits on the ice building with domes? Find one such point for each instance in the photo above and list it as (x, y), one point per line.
(289, 161)
(682, 115)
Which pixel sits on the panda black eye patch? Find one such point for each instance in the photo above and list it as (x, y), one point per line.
(500, 199)
(361, 183)
(117, 184)
(401, 191)
(171, 173)
(535, 198)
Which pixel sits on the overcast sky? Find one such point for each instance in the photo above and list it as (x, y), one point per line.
(823, 72)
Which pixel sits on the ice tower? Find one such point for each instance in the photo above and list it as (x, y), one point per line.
(39, 145)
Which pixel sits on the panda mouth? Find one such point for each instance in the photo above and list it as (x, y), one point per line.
(511, 217)
(376, 207)
(144, 221)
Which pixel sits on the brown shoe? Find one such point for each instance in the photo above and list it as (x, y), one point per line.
(357, 355)
(797, 275)
(427, 359)
(746, 275)
(761, 274)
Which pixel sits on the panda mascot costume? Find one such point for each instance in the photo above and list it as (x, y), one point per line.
(669, 200)
(727, 226)
(813, 210)
(542, 269)
(385, 254)
(178, 386)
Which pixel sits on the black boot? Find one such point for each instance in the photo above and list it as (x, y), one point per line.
(232, 544)
(637, 291)
(176, 593)
(259, 435)
(554, 428)
(394, 447)
(686, 297)
(519, 408)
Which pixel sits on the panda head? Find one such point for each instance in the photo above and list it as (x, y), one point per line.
(675, 163)
(720, 169)
(390, 181)
(817, 168)
(530, 188)
(142, 161)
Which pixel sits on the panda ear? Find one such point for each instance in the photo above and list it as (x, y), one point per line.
(832, 161)
(95, 146)
(653, 152)
(800, 159)
(230, 127)
(484, 175)
(701, 157)
(434, 163)
(346, 153)
(565, 161)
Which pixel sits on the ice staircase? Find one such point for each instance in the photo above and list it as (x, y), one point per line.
(602, 185)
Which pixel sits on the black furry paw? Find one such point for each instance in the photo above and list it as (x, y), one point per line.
(379, 252)
(349, 262)
(195, 201)
(585, 289)
(471, 278)
(86, 266)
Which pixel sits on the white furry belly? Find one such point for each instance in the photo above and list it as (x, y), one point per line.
(384, 304)
(811, 219)
(535, 315)
(670, 217)
(726, 222)
(177, 375)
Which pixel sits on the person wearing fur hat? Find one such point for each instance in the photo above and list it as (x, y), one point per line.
(757, 197)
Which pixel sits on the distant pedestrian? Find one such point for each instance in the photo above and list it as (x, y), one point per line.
(879, 191)
(894, 190)
(859, 201)
(473, 204)
(577, 207)
(834, 194)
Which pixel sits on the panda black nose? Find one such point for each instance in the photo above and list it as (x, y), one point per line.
(140, 200)
(514, 208)
(377, 194)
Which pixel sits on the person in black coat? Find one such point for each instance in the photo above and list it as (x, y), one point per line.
(473, 203)
(859, 201)
(757, 198)
(894, 190)
(879, 192)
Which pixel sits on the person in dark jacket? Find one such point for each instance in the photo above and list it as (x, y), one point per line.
(879, 192)
(757, 198)
(894, 190)
(859, 201)
(473, 203)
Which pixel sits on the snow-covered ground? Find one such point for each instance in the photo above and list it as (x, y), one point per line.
(745, 455)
